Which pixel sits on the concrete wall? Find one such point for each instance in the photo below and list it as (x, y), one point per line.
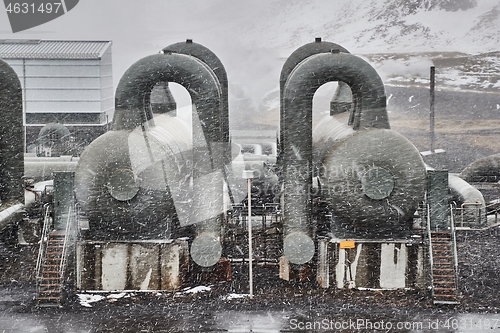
(132, 265)
(376, 265)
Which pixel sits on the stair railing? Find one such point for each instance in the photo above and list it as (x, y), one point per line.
(68, 235)
(429, 238)
(47, 222)
(454, 247)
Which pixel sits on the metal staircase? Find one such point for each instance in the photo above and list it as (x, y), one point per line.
(444, 265)
(50, 284)
(51, 262)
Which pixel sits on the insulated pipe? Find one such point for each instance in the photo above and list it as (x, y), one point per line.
(299, 55)
(296, 133)
(11, 136)
(185, 70)
(467, 193)
(213, 62)
(204, 88)
(486, 169)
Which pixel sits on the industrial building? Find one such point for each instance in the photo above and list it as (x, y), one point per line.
(65, 82)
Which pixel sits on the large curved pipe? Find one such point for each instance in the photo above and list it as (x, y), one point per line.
(296, 133)
(486, 169)
(204, 88)
(466, 193)
(185, 70)
(11, 136)
(213, 62)
(297, 56)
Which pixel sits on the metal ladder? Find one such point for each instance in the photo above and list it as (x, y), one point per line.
(444, 265)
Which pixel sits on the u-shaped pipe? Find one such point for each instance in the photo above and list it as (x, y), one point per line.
(214, 63)
(296, 133)
(131, 113)
(204, 89)
(11, 136)
(297, 56)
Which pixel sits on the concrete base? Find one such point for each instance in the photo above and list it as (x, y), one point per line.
(132, 265)
(370, 264)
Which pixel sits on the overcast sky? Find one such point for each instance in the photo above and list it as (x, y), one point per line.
(253, 55)
(142, 28)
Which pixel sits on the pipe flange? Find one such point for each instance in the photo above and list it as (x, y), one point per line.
(206, 250)
(298, 247)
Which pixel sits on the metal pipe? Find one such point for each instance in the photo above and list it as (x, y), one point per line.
(134, 168)
(205, 91)
(11, 136)
(467, 193)
(432, 99)
(299, 55)
(296, 133)
(41, 168)
(213, 62)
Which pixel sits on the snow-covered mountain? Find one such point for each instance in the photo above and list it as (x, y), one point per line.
(359, 25)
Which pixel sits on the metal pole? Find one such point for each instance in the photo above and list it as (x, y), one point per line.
(432, 86)
(250, 250)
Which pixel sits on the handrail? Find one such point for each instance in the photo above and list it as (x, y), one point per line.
(430, 248)
(470, 204)
(43, 240)
(67, 236)
(47, 222)
(454, 244)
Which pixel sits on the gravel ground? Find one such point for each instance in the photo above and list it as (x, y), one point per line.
(278, 306)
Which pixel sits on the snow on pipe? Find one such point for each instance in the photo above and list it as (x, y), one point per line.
(467, 193)
(296, 134)
(11, 136)
(486, 169)
(131, 113)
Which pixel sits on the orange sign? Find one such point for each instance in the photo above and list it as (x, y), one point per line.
(347, 244)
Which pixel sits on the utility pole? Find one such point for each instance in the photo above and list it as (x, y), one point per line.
(248, 174)
(432, 99)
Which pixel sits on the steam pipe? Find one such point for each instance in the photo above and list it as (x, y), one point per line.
(467, 193)
(299, 55)
(486, 169)
(214, 63)
(11, 136)
(205, 92)
(296, 133)
(131, 112)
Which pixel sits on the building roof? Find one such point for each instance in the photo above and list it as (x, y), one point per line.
(52, 49)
